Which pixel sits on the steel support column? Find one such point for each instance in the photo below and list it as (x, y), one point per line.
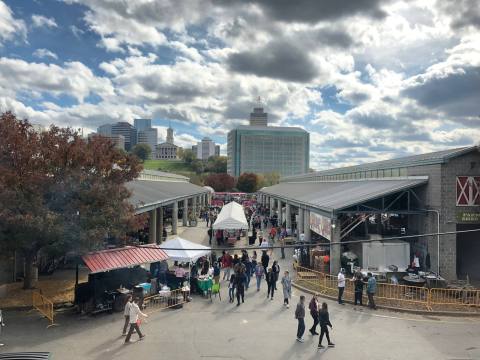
(152, 227)
(174, 218)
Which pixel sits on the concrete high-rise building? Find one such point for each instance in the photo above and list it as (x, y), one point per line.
(127, 131)
(142, 124)
(117, 140)
(258, 117)
(105, 130)
(205, 148)
(148, 136)
(194, 149)
(261, 150)
(217, 150)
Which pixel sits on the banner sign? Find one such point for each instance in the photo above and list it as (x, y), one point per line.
(468, 217)
(321, 225)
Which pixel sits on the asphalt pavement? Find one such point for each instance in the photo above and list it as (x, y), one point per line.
(258, 329)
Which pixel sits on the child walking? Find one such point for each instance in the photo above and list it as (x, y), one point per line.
(324, 320)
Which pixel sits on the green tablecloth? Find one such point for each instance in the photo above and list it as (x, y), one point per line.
(205, 285)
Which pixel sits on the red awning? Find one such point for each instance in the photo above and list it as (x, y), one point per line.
(106, 260)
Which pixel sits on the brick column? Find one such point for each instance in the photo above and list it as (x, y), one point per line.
(152, 227)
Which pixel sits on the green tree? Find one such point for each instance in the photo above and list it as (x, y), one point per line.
(217, 164)
(268, 179)
(60, 192)
(143, 151)
(188, 156)
(247, 182)
(197, 166)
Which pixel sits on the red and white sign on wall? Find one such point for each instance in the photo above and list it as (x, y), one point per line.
(468, 190)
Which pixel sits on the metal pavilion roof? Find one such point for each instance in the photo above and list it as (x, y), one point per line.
(331, 196)
(147, 195)
(106, 260)
(415, 160)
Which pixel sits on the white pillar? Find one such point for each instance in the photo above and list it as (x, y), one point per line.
(185, 212)
(306, 226)
(279, 209)
(272, 205)
(300, 224)
(152, 227)
(288, 216)
(175, 218)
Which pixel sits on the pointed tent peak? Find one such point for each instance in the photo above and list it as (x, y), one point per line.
(231, 217)
(179, 249)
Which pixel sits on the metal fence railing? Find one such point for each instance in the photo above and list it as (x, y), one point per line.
(396, 296)
(44, 306)
(165, 300)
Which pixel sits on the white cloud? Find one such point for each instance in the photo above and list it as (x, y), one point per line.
(44, 53)
(10, 28)
(73, 78)
(43, 21)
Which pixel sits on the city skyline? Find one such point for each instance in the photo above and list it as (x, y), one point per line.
(370, 81)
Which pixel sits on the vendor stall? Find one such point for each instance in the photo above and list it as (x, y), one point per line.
(232, 220)
(114, 274)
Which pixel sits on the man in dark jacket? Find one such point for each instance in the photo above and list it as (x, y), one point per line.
(265, 260)
(300, 316)
(324, 321)
(240, 285)
(358, 282)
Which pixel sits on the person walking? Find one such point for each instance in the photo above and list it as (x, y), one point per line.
(231, 288)
(259, 273)
(371, 289)
(216, 272)
(358, 283)
(240, 286)
(287, 288)
(341, 285)
(324, 320)
(300, 316)
(210, 235)
(314, 307)
(126, 314)
(248, 271)
(265, 260)
(282, 243)
(135, 321)
(270, 277)
(276, 272)
(227, 265)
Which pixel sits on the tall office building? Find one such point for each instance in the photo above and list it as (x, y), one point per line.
(205, 148)
(148, 136)
(217, 150)
(265, 149)
(170, 135)
(142, 124)
(105, 130)
(128, 132)
(258, 117)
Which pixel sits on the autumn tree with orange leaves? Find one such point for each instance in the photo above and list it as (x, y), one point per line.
(59, 192)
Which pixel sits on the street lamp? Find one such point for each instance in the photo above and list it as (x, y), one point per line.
(438, 237)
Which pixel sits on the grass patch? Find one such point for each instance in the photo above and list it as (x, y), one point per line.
(168, 166)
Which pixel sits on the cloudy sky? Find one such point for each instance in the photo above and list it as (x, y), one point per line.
(370, 79)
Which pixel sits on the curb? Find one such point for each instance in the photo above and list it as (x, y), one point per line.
(389, 308)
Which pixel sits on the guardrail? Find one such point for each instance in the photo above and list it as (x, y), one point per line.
(44, 306)
(396, 296)
(165, 300)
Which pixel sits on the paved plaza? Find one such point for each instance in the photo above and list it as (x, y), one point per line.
(258, 329)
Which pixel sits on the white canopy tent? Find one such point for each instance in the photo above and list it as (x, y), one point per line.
(231, 217)
(185, 251)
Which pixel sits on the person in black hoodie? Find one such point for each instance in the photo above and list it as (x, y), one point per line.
(324, 321)
(240, 280)
(358, 288)
(270, 277)
(265, 260)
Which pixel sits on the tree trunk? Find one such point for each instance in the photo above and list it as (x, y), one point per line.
(29, 279)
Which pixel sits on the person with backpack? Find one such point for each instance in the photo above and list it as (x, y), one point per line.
(313, 307)
(287, 288)
(259, 273)
(300, 316)
(324, 321)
